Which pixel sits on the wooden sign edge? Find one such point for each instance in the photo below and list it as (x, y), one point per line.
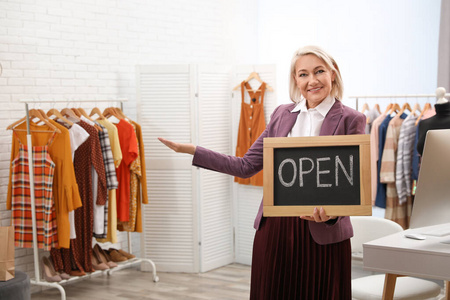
(361, 140)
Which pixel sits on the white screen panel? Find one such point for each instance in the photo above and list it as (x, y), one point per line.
(214, 123)
(165, 100)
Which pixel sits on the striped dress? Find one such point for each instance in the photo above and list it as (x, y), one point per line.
(44, 169)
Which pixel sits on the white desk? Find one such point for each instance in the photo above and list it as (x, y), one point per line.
(397, 255)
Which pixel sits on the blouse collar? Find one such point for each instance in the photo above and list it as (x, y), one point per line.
(323, 108)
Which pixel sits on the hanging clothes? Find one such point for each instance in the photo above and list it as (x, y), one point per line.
(110, 172)
(86, 156)
(399, 213)
(374, 154)
(142, 193)
(66, 196)
(113, 135)
(403, 179)
(98, 210)
(371, 116)
(129, 148)
(63, 259)
(252, 123)
(77, 137)
(135, 174)
(43, 170)
(380, 200)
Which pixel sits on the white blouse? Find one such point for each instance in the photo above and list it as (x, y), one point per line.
(309, 121)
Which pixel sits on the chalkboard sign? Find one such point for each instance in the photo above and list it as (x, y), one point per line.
(332, 172)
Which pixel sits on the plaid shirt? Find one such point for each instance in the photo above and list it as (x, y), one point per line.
(110, 171)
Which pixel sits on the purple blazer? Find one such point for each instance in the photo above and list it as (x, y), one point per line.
(340, 120)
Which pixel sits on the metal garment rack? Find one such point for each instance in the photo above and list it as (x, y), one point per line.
(393, 97)
(58, 285)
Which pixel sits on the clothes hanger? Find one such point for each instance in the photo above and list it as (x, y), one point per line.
(253, 75)
(70, 113)
(405, 106)
(426, 107)
(388, 107)
(83, 113)
(76, 112)
(415, 108)
(395, 108)
(120, 113)
(110, 111)
(97, 111)
(377, 107)
(32, 114)
(58, 115)
(43, 113)
(365, 107)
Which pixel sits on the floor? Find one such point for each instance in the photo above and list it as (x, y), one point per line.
(227, 283)
(230, 282)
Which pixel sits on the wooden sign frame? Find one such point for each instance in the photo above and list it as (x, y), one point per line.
(360, 140)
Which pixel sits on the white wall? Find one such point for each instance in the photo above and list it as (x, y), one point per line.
(84, 49)
(382, 47)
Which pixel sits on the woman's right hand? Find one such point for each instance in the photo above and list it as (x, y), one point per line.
(177, 147)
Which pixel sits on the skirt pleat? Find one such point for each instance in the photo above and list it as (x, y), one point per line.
(288, 264)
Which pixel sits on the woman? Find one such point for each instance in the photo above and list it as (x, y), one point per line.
(307, 257)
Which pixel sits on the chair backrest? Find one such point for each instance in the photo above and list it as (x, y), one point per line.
(369, 228)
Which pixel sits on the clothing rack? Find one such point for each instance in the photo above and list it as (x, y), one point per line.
(58, 285)
(396, 96)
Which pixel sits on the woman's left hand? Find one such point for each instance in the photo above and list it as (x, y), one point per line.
(318, 216)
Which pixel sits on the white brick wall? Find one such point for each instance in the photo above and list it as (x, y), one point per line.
(84, 49)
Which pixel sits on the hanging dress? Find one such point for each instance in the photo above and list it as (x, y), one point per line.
(66, 196)
(135, 175)
(87, 155)
(142, 193)
(43, 170)
(251, 125)
(129, 148)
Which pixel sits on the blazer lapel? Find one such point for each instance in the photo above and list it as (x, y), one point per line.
(288, 122)
(331, 121)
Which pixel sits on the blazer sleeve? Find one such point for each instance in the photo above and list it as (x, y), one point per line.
(243, 167)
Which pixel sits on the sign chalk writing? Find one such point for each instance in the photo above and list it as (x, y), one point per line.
(331, 172)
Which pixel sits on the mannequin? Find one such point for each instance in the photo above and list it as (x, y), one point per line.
(440, 121)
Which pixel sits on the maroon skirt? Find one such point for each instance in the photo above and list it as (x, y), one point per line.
(288, 264)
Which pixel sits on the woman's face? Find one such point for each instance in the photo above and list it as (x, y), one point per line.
(313, 78)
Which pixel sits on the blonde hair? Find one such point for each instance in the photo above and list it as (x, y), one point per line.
(337, 87)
